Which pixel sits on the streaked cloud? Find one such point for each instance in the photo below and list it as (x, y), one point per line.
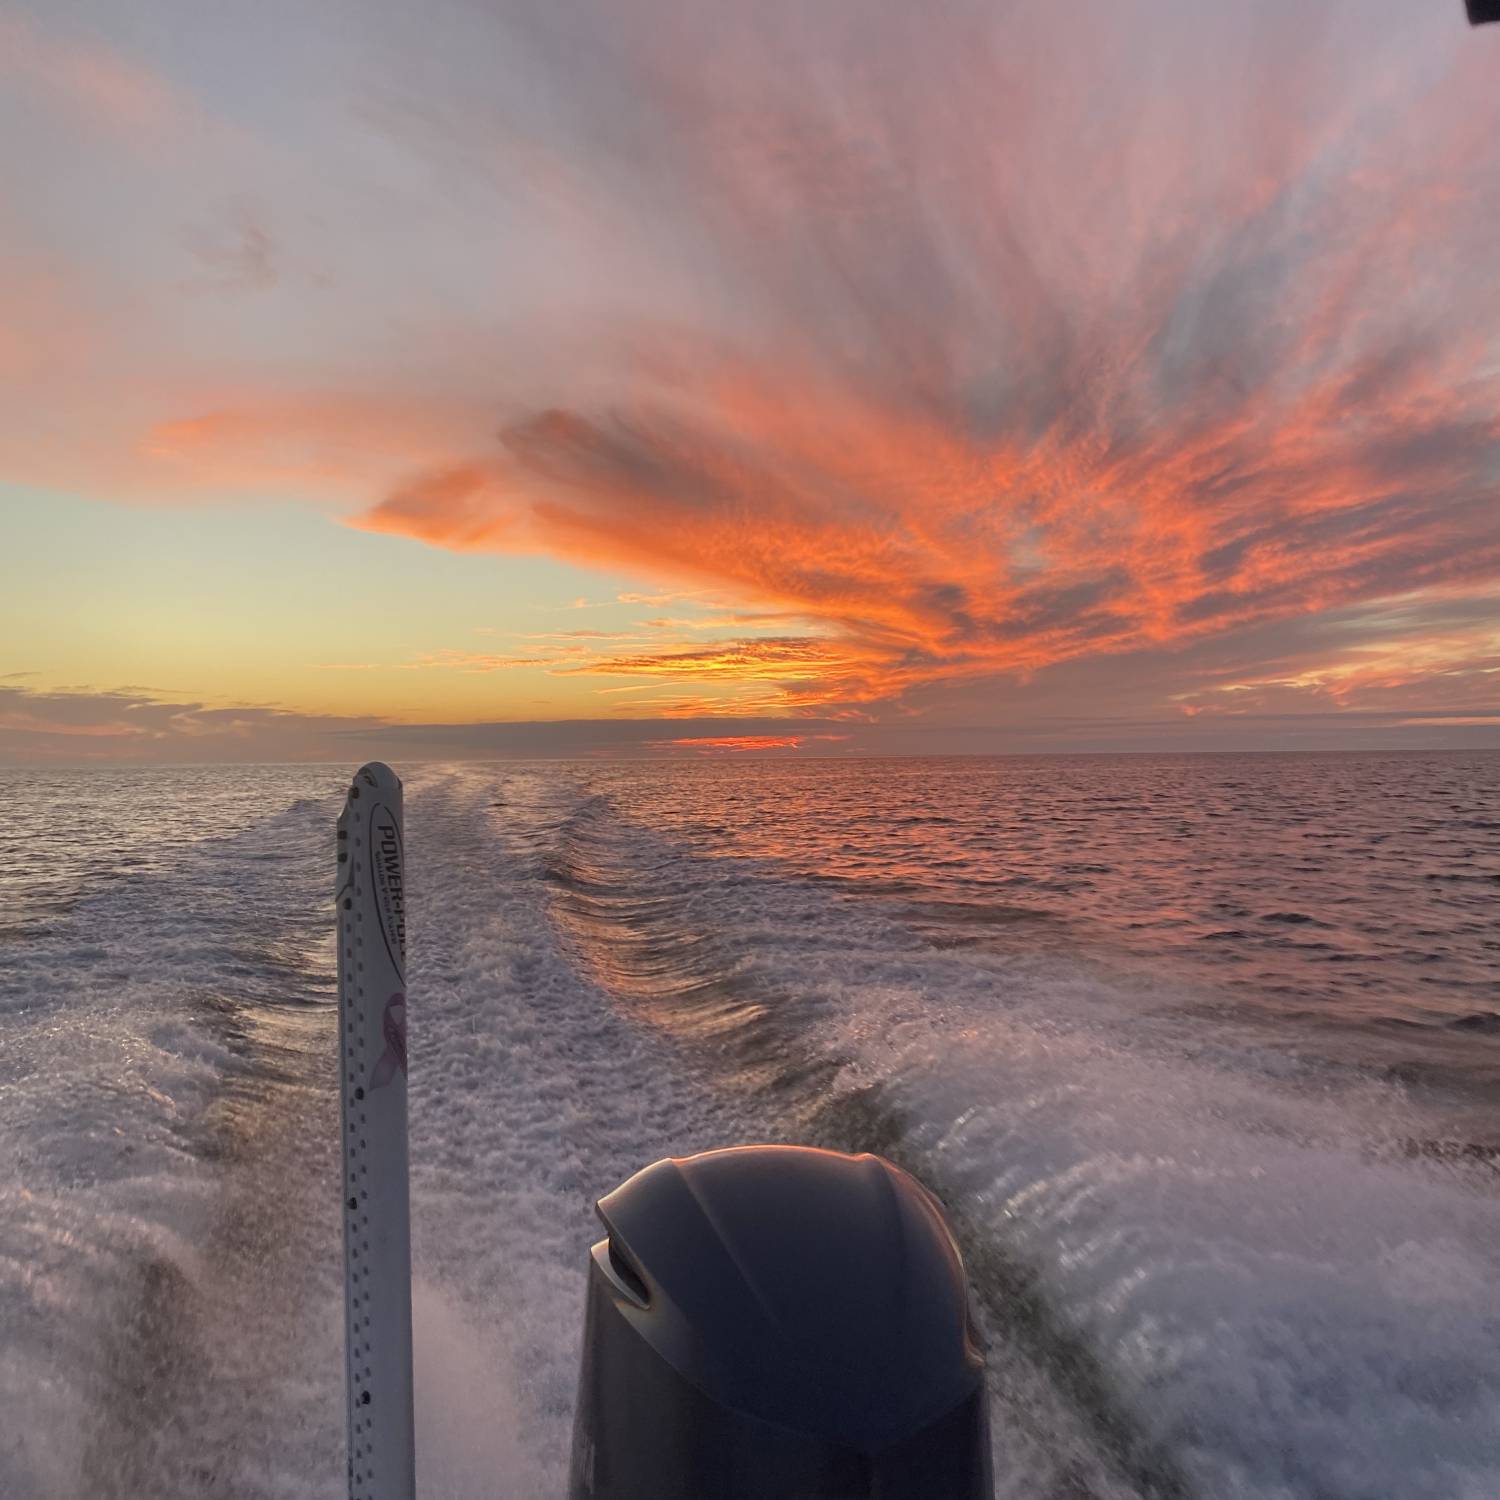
(987, 363)
(746, 744)
(124, 724)
(90, 78)
(1036, 374)
(734, 743)
(83, 726)
(656, 600)
(785, 659)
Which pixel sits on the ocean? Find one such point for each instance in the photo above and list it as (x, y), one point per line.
(1202, 1053)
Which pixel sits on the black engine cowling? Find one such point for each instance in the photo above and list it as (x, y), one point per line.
(778, 1323)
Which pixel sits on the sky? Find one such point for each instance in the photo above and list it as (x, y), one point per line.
(685, 377)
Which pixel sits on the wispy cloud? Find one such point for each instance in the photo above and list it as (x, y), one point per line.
(738, 621)
(580, 635)
(734, 744)
(981, 354)
(86, 724)
(97, 82)
(740, 744)
(234, 253)
(786, 659)
(1016, 398)
(656, 600)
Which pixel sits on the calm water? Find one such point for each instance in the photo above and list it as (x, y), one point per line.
(1203, 1053)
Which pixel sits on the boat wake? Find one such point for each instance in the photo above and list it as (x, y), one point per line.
(1199, 1258)
(1210, 1265)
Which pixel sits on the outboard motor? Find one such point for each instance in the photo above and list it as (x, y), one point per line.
(778, 1323)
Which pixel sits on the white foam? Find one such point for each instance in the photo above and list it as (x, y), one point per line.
(1229, 1225)
(1288, 1307)
(1279, 1300)
(531, 1097)
(135, 1190)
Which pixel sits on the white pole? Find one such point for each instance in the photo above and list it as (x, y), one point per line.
(372, 1087)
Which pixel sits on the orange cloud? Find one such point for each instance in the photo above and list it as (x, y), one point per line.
(740, 743)
(315, 445)
(947, 364)
(785, 660)
(735, 742)
(926, 555)
(1015, 396)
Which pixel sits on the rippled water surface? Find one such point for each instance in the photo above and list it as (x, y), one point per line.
(1202, 1053)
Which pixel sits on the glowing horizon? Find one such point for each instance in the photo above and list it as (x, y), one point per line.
(858, 378)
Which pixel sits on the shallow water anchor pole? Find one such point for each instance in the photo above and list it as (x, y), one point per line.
(372, 1088)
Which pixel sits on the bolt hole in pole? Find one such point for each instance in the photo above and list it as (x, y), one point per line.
(370, 884)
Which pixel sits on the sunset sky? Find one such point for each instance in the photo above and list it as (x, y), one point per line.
(677, 376)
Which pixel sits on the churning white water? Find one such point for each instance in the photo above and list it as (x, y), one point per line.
(1201, 1054)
